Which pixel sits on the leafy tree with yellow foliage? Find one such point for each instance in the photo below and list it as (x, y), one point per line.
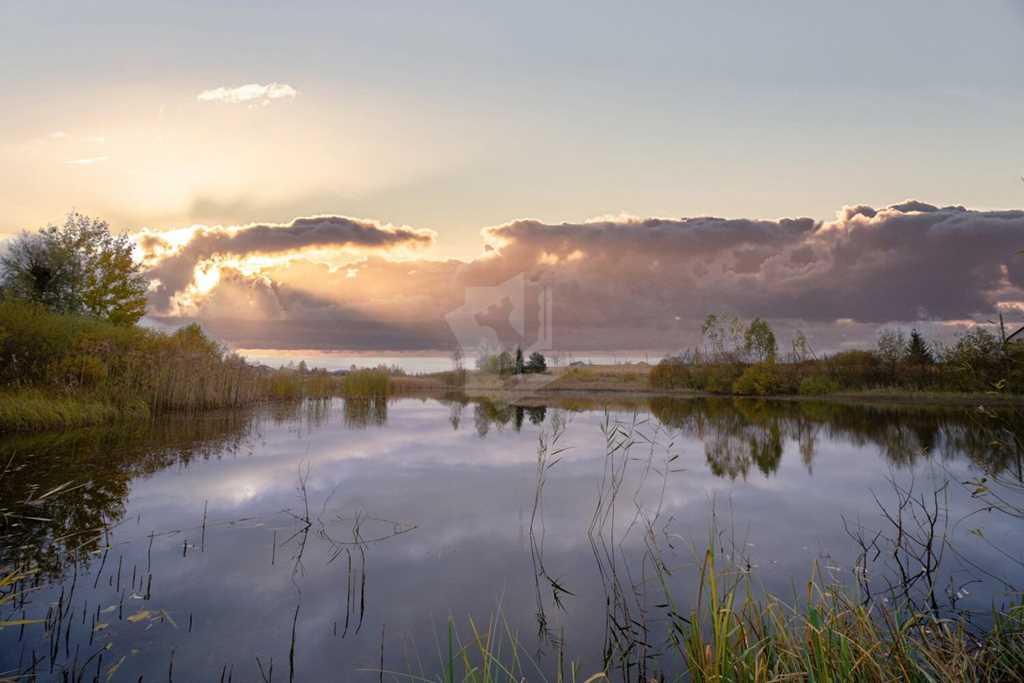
(79, 267)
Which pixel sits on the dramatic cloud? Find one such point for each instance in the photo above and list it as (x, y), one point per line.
(175, 268)
(906, 262)
(628, 283)
(253, 94)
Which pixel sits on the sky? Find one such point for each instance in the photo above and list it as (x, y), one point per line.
(447, 146)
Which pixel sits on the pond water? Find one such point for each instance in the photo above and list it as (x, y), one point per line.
(329, 541)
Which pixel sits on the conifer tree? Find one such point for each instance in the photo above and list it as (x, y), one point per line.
(918, 352)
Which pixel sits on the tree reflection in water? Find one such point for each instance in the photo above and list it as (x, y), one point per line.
(89, 471)
(739, 433)
(61, 492)
(365, 412)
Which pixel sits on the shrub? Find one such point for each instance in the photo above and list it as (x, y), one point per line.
(670, 373)
(1013, 381)
(788, 376)
(80, 371)
(856, 369)
(818, 385)
(720, 378)
(975, 363)
(699, 375)
(716, 379)
(761, 379)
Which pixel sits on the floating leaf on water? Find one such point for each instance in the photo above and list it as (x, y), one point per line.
(113, 669)
(140, 615)
(100, 626)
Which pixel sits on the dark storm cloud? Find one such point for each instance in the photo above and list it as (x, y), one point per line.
(647, 283)
(175, 272)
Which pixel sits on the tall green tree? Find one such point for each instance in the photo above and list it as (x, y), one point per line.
(520, 367)
(759, 341)
(78, 267)
(918, 352)
(725, 334)
(801, 348)
(36, 267)
(892, 348)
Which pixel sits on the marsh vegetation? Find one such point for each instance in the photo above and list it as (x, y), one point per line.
(64, 370)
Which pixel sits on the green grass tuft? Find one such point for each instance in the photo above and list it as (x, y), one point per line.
(30, 410)
(372, 383)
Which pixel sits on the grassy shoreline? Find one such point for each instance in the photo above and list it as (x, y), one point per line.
(633, 381)
(34, 410)
(39, 410)
(30, 410)
(61, 371)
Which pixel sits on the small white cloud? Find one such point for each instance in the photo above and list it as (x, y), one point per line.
(58, 135)
(620, 217)
(95, 139)
(253, 94)
(88, 161)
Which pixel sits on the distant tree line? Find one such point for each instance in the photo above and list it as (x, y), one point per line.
(743, 358)
(511, 363)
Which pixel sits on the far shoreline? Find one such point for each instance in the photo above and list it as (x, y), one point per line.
(37, 411)
(631, 382)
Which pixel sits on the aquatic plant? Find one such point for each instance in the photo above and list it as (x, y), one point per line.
(368, 383)
(834, 636)
(60, 370)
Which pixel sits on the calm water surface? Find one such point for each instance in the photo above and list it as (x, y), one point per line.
(194, 546)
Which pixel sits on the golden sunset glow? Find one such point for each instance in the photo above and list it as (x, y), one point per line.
(566, 169)
(302, 303)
